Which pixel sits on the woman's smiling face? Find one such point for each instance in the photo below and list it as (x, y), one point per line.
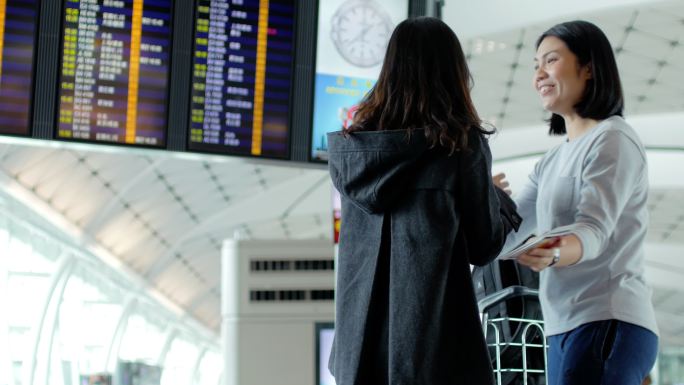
(558, 77)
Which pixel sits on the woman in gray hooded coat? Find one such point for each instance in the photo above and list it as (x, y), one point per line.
(418, 207)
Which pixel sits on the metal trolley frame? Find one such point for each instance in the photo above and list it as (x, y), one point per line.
(529, 327)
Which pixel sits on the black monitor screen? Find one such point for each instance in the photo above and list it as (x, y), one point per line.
(242, 76)
(18, 23)
(325, 332)
(115, 71)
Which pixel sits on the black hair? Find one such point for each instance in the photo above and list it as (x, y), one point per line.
(424, 83)
(602, 96)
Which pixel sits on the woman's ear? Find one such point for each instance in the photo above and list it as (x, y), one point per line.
(587, 71)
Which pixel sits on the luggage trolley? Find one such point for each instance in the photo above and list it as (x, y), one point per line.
(519, 340)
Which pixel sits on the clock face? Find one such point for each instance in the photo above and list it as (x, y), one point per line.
(360, 32)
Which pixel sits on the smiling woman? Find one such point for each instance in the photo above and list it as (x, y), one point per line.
(559, 77)
(576, 79)
(595, 184)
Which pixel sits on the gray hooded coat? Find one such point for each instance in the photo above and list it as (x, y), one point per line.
(413, 220)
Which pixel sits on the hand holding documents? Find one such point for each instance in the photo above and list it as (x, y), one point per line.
(548, 239)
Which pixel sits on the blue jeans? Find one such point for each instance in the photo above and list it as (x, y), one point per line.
(607, 352)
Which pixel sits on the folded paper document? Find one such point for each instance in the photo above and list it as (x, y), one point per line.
(546, 239)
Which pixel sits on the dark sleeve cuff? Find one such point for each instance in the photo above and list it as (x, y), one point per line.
(509, 215)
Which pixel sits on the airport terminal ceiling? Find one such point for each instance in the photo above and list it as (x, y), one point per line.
(165, 214)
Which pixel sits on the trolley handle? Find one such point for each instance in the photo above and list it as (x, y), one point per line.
(510, 292)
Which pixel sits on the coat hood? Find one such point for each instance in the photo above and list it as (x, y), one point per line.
(375, 168)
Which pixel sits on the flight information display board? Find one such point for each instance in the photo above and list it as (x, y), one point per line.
(242, 76)
(115, 71)
(18, 24)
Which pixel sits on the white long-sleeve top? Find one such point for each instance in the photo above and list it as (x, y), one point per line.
(598, 185)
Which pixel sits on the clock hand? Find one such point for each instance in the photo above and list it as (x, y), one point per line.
(361, 34)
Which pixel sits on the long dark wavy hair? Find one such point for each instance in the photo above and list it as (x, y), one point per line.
(424, 83)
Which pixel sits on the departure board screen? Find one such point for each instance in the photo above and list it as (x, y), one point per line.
(18, 23)
(242, 76)
(115, 71)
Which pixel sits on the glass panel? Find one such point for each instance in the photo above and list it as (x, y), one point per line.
(5, 361)
(23, 257)
(25, 274)
(671, 367)
(179, 363)
(90, 311)
(82, 330)
(210, 369)
(142, 341)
